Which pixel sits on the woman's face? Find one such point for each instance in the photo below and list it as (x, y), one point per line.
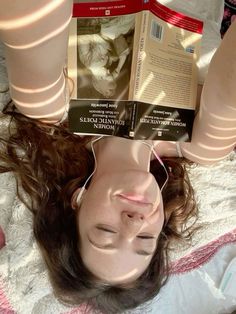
(119, 221)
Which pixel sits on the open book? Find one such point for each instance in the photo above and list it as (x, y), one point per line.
(134, 68)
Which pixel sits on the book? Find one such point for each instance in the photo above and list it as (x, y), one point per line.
(134, 69)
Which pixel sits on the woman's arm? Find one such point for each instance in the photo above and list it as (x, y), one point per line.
(35, 34)
(214, 130)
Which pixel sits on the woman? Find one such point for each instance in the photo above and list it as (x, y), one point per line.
(104, 54)
(107, 245)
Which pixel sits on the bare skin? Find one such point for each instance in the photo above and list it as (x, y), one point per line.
(121, 212)
(35, 35)
(123, 195)
(214, 130)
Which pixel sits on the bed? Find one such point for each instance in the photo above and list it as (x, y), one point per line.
(196, 270)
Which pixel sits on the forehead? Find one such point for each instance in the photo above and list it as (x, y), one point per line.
(116, 265)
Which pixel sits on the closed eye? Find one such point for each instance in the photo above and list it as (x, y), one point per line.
(145, 237)
(105, 229)
(112, 247)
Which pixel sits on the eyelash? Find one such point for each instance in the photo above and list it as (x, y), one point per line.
(111, 231)
(106, 230)
(145, 237)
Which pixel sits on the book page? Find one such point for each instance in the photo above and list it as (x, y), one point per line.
(72, 56)
(168, 74)
(100, 56)
(134, 70)
(136, 50)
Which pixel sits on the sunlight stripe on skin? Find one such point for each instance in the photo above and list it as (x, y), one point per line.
(43, 103)
(225, 106)
(55, 113)
(36, 90)
(43, 39)
(221, 137)
(201, 158)
(216, 116)
(222, 128)
(231, 108)
(222, 118)
(31, 18)
(214, 148)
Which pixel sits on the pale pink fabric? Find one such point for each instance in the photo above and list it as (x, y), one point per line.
(202, 255)
(2, 238)
(5, 307)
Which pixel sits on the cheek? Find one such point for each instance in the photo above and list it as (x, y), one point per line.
(161, 218)
(160, 222)
(87, 215)
(156, 227)
(94, 211)
(155, 223)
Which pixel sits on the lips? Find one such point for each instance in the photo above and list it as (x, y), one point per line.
(135, 199)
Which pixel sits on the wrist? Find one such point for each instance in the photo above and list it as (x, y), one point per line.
(166, 149)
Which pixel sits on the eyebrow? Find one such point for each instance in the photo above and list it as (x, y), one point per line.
(144, 253)
(112, 247)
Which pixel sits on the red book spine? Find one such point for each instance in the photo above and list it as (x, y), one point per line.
(175, 18)
(106, 9)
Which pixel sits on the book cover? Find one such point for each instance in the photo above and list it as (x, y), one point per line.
(142, 57)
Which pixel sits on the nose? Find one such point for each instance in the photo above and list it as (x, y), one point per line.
(133, 222)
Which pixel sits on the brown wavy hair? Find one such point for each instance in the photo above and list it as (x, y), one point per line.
(49, 164)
